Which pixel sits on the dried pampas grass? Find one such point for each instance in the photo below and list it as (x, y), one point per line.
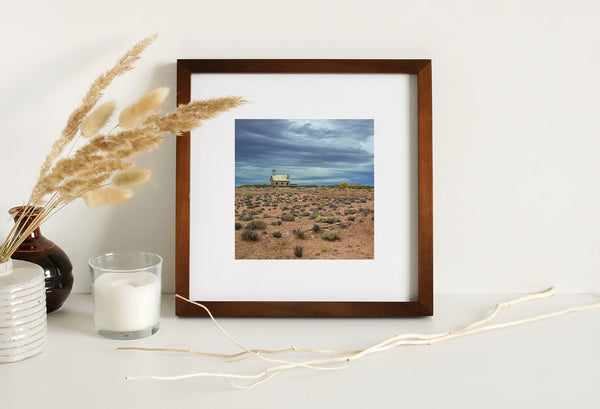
(136, 113)
(96, 119)
(89, 171)
(191, 115)
(92, 97)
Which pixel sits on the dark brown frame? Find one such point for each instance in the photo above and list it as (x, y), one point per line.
(424, 304)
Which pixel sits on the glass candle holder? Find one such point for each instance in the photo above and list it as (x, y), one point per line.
(126, 290)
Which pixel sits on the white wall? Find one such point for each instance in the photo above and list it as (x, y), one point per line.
(516, 94)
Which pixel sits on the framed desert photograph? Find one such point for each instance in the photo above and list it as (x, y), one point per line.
(314, 197)
(324, 189)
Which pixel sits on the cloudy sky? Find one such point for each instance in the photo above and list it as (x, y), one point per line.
(311, 151)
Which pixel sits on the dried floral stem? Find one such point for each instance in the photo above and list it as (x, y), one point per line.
(389, 343)
(191, 115)
(96, 120)
(134, 114)
(69, 174)
(91, 99)
(103, 155)
(23, 229)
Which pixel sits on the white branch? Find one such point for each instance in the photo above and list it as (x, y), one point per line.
(349, 356)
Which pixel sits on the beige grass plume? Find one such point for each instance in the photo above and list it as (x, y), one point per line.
(137, 112)
(99, 170)
(92, 123)
(132, 177)
(106, 196)
(90, 100)
(191, 115)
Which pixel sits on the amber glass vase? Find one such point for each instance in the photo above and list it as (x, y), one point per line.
(37, 249)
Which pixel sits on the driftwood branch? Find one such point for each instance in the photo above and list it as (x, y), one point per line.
(346, 357)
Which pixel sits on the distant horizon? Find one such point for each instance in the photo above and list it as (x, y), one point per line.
(317, 152)
(305, 184)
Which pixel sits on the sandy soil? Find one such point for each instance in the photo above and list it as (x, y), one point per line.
(347, 212)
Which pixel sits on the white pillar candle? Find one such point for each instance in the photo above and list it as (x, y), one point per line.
(126, 301)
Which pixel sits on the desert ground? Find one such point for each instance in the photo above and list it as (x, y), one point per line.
(304, 222)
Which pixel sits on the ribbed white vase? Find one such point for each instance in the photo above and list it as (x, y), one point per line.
(22, 311)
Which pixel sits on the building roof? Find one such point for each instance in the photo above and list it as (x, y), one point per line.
(280, 178)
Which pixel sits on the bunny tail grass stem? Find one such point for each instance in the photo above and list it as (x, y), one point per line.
(92, 123)
(137, 112)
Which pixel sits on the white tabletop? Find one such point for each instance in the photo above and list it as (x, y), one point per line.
(550, 364)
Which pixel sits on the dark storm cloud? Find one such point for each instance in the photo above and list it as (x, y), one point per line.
(319, 151)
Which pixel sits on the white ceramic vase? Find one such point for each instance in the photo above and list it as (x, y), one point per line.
(22, 311)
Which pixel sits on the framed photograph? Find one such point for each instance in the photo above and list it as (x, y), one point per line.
(314, 198)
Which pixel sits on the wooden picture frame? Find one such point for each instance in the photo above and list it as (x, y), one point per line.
(422, 304)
